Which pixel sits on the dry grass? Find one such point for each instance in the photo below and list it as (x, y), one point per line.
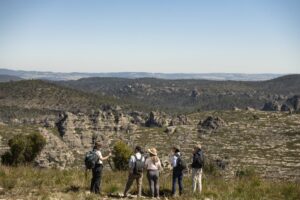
(30, 183)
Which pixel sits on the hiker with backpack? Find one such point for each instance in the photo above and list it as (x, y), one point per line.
(153, 166)
(197, 166)
(94, 160)
(136, 167)
(179, 166)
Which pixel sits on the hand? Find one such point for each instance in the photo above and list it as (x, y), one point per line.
(110, 154)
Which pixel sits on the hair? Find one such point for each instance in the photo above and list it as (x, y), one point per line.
(154, 158)
(138, 149)
(198, 147)
(176, 149)
(97, 145)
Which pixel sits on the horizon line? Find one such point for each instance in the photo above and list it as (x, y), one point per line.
(114, 72)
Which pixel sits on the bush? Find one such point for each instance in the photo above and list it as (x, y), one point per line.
(122, 153)
(23, 149)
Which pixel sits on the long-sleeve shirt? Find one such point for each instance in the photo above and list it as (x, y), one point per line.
(149, 165)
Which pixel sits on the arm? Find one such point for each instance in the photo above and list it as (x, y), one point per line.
(131, 164)
(104, 158)
(146, 164)
(159, 165)
(173, 161)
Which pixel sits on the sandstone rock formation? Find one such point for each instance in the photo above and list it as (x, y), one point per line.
(55, 154)
(294, 102)
(158, 119)
(211, 123)
(180, 120)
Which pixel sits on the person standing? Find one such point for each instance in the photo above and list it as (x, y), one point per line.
(136, 167)
(97, 170)
(197, 166)
(178, 166)
(153, 166)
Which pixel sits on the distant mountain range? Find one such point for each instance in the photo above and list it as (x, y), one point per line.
(7, 78)
(146, 94)
(57, 76)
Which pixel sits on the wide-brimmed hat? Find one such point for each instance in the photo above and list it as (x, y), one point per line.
(198, 146)
(152, 151)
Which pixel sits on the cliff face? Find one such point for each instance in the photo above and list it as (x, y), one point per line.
(70, 135)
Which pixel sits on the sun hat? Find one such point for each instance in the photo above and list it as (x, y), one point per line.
(153, 151)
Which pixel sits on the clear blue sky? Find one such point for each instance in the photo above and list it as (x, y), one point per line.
(244, 36)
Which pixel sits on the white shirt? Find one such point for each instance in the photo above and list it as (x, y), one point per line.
(99, 154)
(132, 159)
(174, 159)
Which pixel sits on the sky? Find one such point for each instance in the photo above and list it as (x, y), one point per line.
(169, 36)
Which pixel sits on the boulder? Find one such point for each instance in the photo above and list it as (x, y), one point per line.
(212, 123)
(250, 108)
(236, 109)
(170, 129)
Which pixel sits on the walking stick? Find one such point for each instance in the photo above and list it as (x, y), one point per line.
(110, 165)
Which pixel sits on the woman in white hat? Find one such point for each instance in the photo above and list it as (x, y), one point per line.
(153, 165)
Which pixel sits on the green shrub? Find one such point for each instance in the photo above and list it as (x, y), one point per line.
(211, 168)
(122, 153)
(23, 149)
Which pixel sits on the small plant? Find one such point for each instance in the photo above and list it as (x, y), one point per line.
(211, 168)
(23, 149)
(246, 172)
(122, 154)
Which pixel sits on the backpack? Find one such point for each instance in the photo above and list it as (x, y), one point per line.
(180, 164)
(198, 160)
(138, 165)
(91, 158)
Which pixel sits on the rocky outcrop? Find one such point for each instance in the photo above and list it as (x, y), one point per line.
(248, 108)
(294, 102)
(211, 123)
(285, 108)
(236, 109)
(157, 119)
(55, 154)
(180, 120)
(272, 106)
(195, 93)
(137, 117)
(77, 132)
(170, 129)
(291, 104)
